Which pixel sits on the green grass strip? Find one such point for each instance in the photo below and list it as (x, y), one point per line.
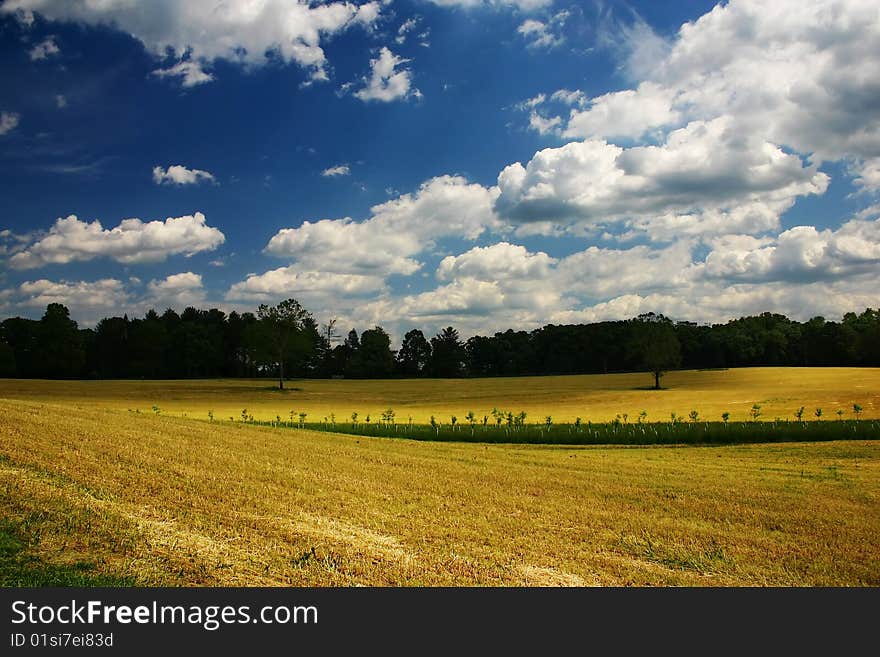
(613, 433)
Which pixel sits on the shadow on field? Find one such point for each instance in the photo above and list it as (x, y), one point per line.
(19, 568)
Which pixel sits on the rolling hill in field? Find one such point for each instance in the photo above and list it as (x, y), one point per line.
(123, 497)
(780, 392)
(128, 482)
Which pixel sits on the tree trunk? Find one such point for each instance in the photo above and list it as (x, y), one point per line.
(281, 374)
(656, 380)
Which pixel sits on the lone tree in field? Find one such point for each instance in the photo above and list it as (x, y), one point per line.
(282, 326)
(654, 345)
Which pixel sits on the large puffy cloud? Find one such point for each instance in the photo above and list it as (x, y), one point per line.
(468, 297)
(737, 112)
(703, 167)
(630, 113)
(643, 281)
(730, 123)
(505, 279)
(499, 261)
(341, 266)
(343, 245)
(470, 305)
(796, 73)
(801, 253)
(396, 232)
(800, 272)
(507, 286)
(132, 241)
(600, 273)
(705, 180)
(242, 31)
(537, 282)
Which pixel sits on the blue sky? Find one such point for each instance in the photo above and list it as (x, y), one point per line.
(485, 164)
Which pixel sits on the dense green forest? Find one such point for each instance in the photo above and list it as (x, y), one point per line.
(286, 341)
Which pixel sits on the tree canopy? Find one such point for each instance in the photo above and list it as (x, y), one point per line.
(654, 345)
(285, 341)
(414, 354)
(282, 333)
(447, 354)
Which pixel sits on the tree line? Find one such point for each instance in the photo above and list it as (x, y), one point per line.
(285, 341)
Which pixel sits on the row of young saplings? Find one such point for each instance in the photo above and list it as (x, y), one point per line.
(506, 426)
(508, 420)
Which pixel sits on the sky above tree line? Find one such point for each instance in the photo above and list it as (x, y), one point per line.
(484, 164)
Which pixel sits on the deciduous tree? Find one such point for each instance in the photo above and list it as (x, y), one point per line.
(281, 326)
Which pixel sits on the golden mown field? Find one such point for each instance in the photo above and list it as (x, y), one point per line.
(166, 500)
(780, 392)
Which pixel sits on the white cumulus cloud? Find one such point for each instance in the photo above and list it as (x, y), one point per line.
(132, 241)
(396, 232)
(702, 168)
(247, 32)
(91, 301)
(88, 301)
(802, 253)
(176, 290)
(798, 73)
(386, 82)
(629, 113)
(499, 261)
(325, 288)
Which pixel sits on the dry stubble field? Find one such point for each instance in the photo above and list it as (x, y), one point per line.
(166, 500)
(779, 390)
